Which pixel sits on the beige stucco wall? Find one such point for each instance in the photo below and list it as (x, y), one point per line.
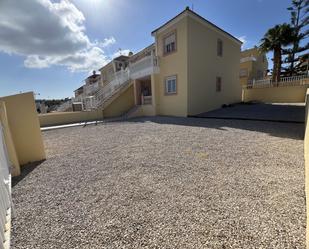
(172, 64)
(25, 127)
(204, 66)
(107, 73)
(61, 118)
(249, 66)
(261, 64)
(283, 94)
(121, 104)
(9, 140)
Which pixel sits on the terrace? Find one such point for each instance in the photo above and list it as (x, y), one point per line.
(165, 182)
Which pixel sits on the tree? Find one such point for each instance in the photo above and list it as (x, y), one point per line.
(274, 40)
(299, 21)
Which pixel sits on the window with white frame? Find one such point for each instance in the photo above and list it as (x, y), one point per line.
(220, 47)
(171, 85)
(243, 72)
(218, 84)
(169, 43)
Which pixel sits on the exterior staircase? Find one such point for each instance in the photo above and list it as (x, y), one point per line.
(112, 90)
(122, 80)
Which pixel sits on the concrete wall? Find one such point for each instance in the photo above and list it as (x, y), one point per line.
(281, 94)
(9, 140)
(306, 154)
(172, 64)
(60, 118)
(204, 66)
(25, 128)
(120, 105)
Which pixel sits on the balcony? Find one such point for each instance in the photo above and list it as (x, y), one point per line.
(146, 66)
(246, 59)
(90, 89)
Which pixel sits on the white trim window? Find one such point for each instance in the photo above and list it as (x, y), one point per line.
(170, 43)
(171, 85)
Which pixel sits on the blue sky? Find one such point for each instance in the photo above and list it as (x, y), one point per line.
(73, 37)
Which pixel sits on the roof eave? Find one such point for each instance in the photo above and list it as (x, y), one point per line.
(188, 11)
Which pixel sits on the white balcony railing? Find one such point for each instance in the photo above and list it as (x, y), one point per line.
(249, 58)
(284, 81)
(120, 79)
(5, 194)
(89, 89)
(146, 66)
(146, 100)
(94, 96)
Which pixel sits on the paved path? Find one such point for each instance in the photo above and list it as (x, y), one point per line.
(165, 183)
(270, 112)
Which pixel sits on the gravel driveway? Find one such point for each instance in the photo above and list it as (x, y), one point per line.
(165, 183)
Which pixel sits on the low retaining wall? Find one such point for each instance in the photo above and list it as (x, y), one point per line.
(23, 123)
(280, 94)
(61, 118)
(121, 104)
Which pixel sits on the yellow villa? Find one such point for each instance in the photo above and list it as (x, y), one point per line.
(253, 65)
(192, 67)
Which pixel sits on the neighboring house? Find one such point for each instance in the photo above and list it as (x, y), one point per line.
(192, 67)
(253, 66)
(92, 84)
(79, 91)
(108, 71)
(83, 95)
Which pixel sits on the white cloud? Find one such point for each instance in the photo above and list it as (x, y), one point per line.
(81, 61)
(121, 52)
(244, 41)
(107, 42)
(49, 33)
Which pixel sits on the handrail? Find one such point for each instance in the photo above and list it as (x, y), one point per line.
(121, 77)
(146, 65)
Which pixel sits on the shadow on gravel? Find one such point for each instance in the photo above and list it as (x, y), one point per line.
(25, 170)
(258, 111)
(277, 129)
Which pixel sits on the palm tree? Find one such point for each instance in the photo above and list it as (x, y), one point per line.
(274, 40)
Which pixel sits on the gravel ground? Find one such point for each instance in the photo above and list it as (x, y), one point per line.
(165, 183)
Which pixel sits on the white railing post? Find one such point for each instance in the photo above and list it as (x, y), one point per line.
(284, 81)
(145, 66)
